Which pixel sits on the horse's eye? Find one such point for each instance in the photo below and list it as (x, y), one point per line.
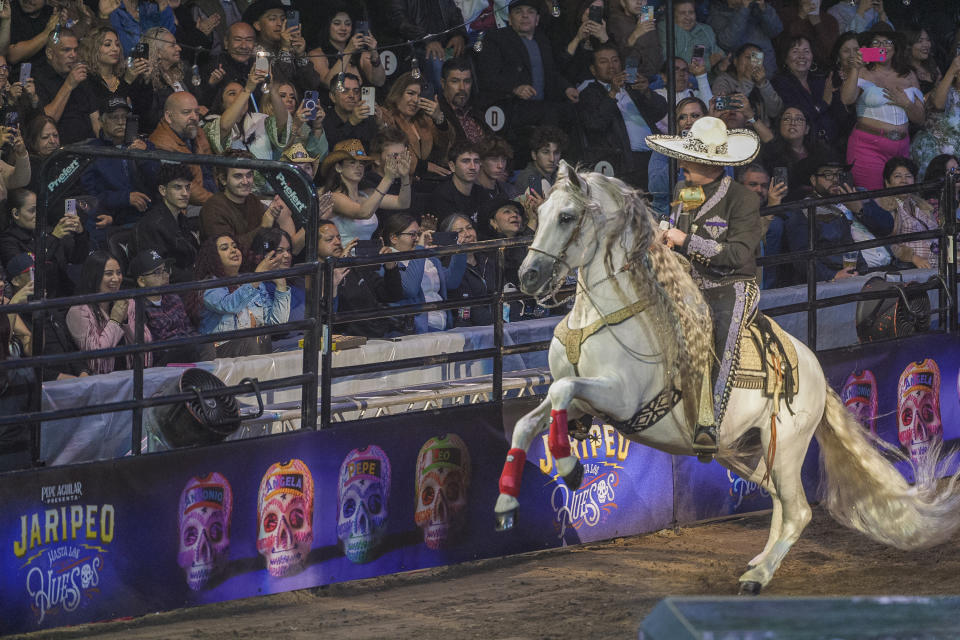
(566, 218)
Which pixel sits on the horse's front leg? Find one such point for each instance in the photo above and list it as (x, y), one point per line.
(524, 432)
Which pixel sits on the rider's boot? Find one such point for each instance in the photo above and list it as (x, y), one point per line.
(705, 437)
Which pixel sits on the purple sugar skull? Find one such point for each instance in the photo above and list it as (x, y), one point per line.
(285, 517)
(918, 407)
(206, 505)
(443, 480)
(362, 495)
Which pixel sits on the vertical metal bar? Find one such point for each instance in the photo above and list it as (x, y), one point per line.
(136, 439)
(811, 278)
(498, 328)
(326, 355)
(948, 246)
(671, 91)
(311, 337)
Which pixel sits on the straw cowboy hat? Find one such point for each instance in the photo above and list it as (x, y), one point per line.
(298, 154)
(709, 142)
(344, 150)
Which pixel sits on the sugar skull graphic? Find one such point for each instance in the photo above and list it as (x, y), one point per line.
(206, 504)
(285, 516)
(443, 480)
(362, 495)
(859, 396)
(918, 407)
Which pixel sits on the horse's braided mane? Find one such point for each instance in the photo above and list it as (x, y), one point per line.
(662, 275)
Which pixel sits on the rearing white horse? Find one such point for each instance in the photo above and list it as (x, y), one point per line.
(641, 329)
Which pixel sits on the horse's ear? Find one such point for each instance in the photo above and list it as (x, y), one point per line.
(566, 171)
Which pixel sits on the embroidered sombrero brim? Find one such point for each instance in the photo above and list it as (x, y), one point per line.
(743, 146)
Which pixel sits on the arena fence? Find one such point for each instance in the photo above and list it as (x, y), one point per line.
(316, 378)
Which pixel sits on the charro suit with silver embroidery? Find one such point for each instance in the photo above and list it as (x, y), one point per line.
(723, 242)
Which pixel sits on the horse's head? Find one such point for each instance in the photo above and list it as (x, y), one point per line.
(567, 234)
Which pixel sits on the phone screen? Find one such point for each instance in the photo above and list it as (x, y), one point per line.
(698, 51)
(445, 238)
(25, 72)
(70, 207)
(595, 14)
(630, 69)
(310, 102)
(12, 119)
(366, 248)
(293, 18)
(780, 176)
(262, 64)
(132, 132)
(427, 91)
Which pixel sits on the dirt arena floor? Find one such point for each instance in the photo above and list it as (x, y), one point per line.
(589, 591)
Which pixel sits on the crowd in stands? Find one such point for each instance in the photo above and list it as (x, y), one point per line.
(405, 151)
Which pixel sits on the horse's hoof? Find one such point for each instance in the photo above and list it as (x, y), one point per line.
(750, 588)
(574, 478)
(506, 520)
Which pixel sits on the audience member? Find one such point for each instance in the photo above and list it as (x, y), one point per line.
(362, 288)
(107, 72)
(31, 23)
(344, 49)
(277, 240)
(941, 130)
(682, 70)
(843, 57)
(238, 307)
(165, 229)
(104, 324)
(887, 98)
(809, 91)
(941, 166)
(738, 23)
(62, 90)
(756, 178)
(119, 184)
(457, 104)
(350, 118)
(790, 144)
(180, 131)
(435, 27)
(479, 276)
(237, 212)
(428, 132)
(502, 218)
(18, 96)
(389, 143)
(166, 77)
(424, 279)
(517, 71)
(918, 46)
(165, 315)
(687, 34)
(687, 112)
(354, 211)
(230, 65)
(133, 19)
(860, 15)
(66, 245)
(807, 19)
(636, 35)
(910, 214)
(282, 43)
(837, 224)
(749, 77)
(546, 144)
(41, 138)
(577, 56)
(460, 193)
(496, 154)
(620, 114)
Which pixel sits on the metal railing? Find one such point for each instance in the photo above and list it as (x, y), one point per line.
(316, 378)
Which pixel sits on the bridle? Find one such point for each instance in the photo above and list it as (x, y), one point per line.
(549, 298)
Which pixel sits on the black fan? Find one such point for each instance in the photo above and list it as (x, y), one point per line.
(206, 419)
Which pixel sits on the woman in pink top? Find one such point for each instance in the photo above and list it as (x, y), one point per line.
(888, 98)
(106, 324)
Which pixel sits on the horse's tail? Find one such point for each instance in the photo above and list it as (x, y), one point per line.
(863, 490)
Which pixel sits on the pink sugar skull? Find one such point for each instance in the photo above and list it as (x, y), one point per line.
(443, 480)
(918, 407)
(859, 396)
(362, 496)
(206, 504)
(285, 516)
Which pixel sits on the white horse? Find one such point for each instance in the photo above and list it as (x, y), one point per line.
(643, 335)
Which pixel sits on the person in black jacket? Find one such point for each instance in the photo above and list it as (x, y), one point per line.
(164, 227)
(362, 289)
(66, 246)
(457, 103)
(415, 19)
(616, 115)
(517, 71)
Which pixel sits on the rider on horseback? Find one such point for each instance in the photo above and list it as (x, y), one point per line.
(714, 221)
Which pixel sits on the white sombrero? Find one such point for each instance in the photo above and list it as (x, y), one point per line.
(709, 142)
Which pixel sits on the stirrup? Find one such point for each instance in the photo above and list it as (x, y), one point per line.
(705, 442)
(580, 428)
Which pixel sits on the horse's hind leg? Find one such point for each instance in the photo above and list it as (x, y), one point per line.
(776, 516)
(794, 514)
